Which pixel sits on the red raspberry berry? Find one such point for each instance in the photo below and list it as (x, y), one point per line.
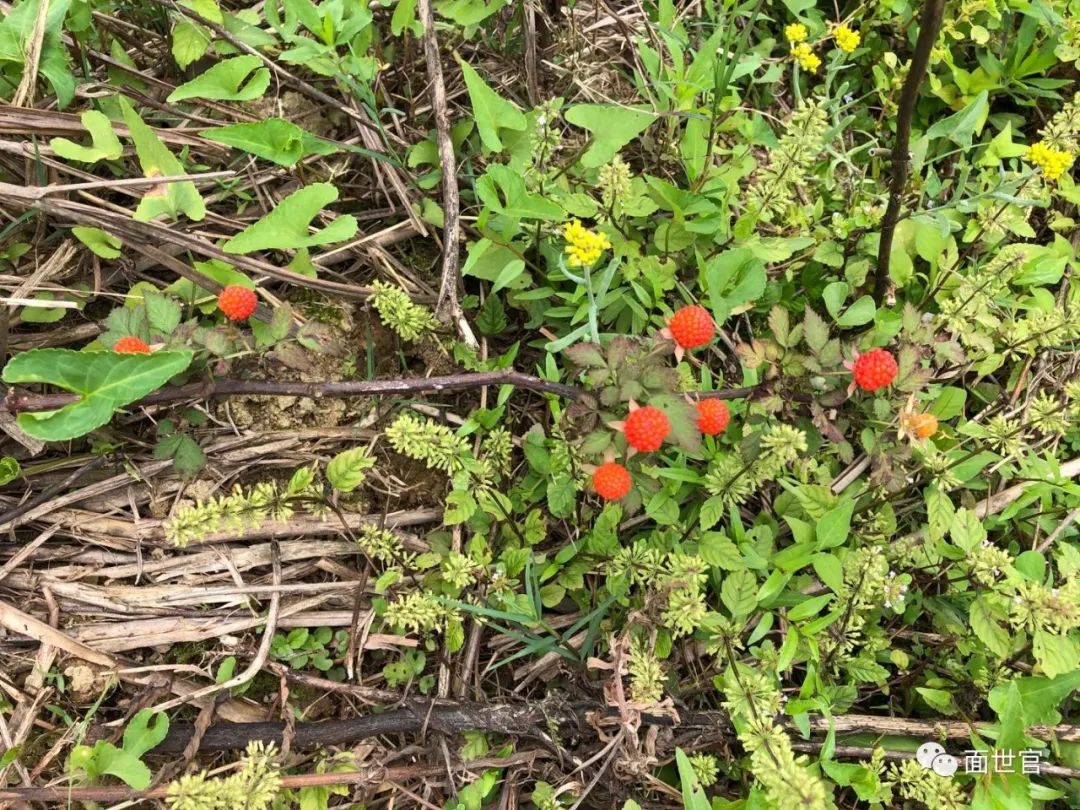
(713, 416)
(874, 370)
(692, 327)
(131, 345)
(646, 429)
(611, 481)
(237, 303)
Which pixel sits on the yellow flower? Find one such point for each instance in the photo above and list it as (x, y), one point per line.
(796, 32)
(1053, 162)
(847, 40)
(805, 56)
(583, 247)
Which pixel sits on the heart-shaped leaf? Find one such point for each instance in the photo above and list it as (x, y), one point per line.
(104, 382)
(274, 139)
(223, 81)
(106, 146)
(286, 227)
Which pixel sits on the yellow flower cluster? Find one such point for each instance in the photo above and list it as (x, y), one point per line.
(583, 247)
(796, 32)
(847, 40)
(805, 56)
(1053, 162)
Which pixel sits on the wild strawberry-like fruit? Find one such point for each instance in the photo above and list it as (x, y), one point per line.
(713, 416)
(921, 425)
(237, 303)
(646, 428)
(691, 327)
(874, 370)
(131, 345)
(611, 481)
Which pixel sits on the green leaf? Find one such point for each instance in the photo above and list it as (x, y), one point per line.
(162, 312)
(733, 278)
(938, 699)
(9, 470)
(612, 127)
(286, 227)
(31, 314)
(949, 403)
(223, 81)
(964, 125)
(275, 139)
(717, 549)
(694, 797)
(491, 111)
(346, 471)
(189, 42)
(104, 143)
(145, 731)
(833, 528)
(104, 381)
(986, 629)
(1041, 696)
(188, 458)
(157, 161)
(122, 764)
(503, 191)
(739, 593)
(1055, 654)
(16, 28)
(966, 532)
(101, 243)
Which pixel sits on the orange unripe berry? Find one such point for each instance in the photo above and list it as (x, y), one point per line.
(611, 481)
(922, 425)
(131, 345)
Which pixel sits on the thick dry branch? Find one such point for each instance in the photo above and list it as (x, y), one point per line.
(447, 307)
(538, 720)
(23, 401)
(929, 24)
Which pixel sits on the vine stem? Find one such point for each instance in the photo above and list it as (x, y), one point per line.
(929, 25)
(19, 400)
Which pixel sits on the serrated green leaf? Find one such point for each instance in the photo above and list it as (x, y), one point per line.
(189, 42)
(162, 312)
(739, 593)
(491, 111)
(225, 81)
(104, 143)
(286, 227)
(104, 381)
(347, 470)
(275, 139)
(986, 628)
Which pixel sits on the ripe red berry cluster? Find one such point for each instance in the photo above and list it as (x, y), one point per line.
(646, 428)
(691, 327)
(131, 345)
(875, 369)
(713, 416)
(237, 303)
